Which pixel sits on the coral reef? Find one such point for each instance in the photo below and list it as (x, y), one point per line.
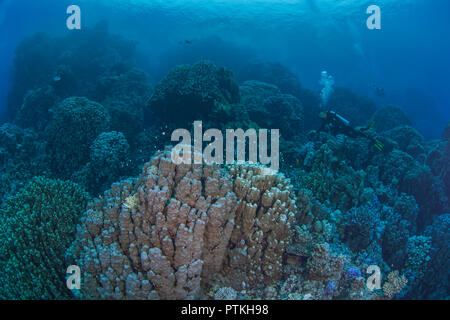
(408, 140)
(438, 159)
(273, 73)
(109, 162)
(253, 93)
(81, 110)
(268, 108)
(362, 226)
(286, 114)
(407, 175)
(37, 226)
(418, 250)
(369, 206)
(34, 112)
(161, 245)
(71, 64)
(356, 109)
(435, 282)
(22, 156)
(264, 217)
(168, 233)
(75, 124)
(125, 97)
(225, 293)
(394, 285)
(389, 117)
(446, 133)
(192, 92)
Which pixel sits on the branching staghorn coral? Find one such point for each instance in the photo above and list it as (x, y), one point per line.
(394, 284)
(166, 234)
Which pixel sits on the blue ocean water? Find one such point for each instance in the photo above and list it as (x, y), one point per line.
(408, 57)
(364, 116)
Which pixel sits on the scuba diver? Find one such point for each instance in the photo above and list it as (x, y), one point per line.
(336, 124)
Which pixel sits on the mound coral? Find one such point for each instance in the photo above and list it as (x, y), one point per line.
(362, 226)
(446, 133)
(34, 112)
(266, 106)
(284, 112)
(37, 225)
(418, 250)
(192, 92)
(328, 176)
(411, 177)
(435, 283)
(438, 159)
(253, 93)
(408, 140)
(22, 156)
(125, 97)
(168, 233)
(274, 73)
(389, 117)
(75, 124)
(109, 162)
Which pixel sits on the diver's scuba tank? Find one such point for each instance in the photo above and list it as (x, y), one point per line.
(345, 121)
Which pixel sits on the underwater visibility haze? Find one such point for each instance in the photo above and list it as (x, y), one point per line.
(224, 149)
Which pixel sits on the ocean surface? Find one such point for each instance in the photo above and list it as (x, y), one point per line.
(363, 116)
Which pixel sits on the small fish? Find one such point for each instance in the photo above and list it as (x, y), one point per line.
(57, 78)
(379, 92)
(185, 42)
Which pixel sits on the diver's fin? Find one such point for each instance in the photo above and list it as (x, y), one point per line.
(379, 145)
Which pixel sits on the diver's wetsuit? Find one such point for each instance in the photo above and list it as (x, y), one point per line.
(337, 124)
